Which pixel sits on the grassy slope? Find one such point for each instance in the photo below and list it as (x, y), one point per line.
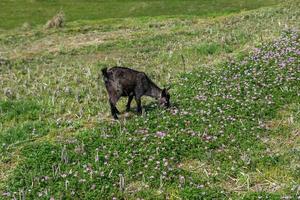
(14, 13)
(53, 77)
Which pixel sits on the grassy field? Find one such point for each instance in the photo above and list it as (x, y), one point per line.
(14, 13)
(232, 131)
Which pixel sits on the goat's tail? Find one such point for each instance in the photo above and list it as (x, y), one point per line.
(104, 72)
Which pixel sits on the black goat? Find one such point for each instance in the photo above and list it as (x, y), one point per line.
(122, 81)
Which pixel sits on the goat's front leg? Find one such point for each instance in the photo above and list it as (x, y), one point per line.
(139, 105)
(130, 97)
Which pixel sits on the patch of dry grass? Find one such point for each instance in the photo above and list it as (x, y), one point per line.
(284, 141)
(58, 21)
(269, 180)
(135, 187)
(202, 169)
(7, 167)
(287, 131)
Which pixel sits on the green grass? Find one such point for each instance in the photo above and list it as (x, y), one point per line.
(18, 110)
(15, 13)
(221, 129)
(231, 132)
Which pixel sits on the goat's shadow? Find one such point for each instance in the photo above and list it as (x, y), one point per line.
(150, 107)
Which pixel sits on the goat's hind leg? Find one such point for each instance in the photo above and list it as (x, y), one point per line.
(113, 108)
(113, 111)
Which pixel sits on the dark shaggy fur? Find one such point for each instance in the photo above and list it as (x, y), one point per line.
(122, 81)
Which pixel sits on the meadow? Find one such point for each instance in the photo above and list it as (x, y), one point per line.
(232, 131)
(14, 13)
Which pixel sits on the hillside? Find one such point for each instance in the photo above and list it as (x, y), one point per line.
(232, 130)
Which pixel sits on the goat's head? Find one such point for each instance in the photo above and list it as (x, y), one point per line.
(164, 99)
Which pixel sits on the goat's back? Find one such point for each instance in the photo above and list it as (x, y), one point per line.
(122, 72)
(125, 79)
